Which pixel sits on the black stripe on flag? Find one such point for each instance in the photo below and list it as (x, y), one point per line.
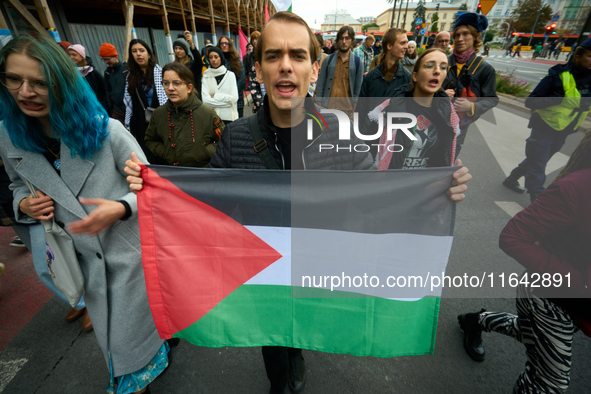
(375, 202)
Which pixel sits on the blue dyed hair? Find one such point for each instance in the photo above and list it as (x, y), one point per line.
(75, 114)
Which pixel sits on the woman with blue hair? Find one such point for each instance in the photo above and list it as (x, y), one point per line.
(57, 136)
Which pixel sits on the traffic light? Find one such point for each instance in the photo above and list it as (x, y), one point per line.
(437, 7)
(553, 27)
(479, 8)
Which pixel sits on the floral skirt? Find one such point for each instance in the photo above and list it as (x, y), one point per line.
(139, 379)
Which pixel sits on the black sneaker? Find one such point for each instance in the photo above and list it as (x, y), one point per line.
(17, 243)
(297, 373)
(472, 335)
(513, 184)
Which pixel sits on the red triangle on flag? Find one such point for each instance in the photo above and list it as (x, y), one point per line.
(185, 283)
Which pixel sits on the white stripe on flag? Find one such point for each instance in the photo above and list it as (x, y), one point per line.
(328, 252)
(278, 273)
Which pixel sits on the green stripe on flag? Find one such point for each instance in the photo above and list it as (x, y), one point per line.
(262, 315)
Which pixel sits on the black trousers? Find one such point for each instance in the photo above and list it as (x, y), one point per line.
(277, 365)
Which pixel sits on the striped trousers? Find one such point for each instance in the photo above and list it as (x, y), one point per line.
(547, 332)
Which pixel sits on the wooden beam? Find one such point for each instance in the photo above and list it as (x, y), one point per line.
(247, 16)
(146, 5)
(128, 13)
(3, 24)
(26, 15)
(227, 17)
(44, 14)
(212, 21)
(193, 27)
(237, 7)
(254, 15)
(165, 18)
(183, 13)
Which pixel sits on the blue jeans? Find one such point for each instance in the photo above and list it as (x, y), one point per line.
(541, 145)
(34, 239)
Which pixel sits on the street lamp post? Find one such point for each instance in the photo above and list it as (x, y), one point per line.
(427, 32)
(535, 23)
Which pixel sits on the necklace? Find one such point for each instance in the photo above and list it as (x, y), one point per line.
(171, 125)
(56, 162)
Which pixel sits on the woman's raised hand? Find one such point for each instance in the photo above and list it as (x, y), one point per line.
(133, 170)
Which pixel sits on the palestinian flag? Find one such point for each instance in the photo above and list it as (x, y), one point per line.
(252, 257)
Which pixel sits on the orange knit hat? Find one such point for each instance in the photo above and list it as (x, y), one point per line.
(107, 50)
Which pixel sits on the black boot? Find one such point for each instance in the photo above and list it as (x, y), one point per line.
(513, 184)
(297, 373)
(472, 335)
(533, 196)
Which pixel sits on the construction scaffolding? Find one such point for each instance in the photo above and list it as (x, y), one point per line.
(231, 15)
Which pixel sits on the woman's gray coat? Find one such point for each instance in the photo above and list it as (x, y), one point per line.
(115, 288)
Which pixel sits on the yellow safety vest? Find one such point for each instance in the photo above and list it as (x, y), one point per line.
(560, 116)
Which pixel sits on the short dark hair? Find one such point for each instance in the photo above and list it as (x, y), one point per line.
(347, 29)
(184, 73)
(288, 17)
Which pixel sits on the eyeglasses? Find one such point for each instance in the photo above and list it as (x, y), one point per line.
(224, 43)
(14, 82)
(431, 66)
(175, 84)
(346, 38)
(442, 41)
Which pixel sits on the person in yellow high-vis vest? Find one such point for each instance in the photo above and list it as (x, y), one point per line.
(559, 105)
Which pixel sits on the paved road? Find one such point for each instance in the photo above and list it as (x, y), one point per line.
(525, 68)
(48, 355)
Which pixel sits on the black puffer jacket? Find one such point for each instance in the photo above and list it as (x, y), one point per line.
(236, 148)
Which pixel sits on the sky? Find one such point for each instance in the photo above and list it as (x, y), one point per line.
(313, 11)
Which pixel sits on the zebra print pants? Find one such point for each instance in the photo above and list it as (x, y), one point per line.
(547, 332)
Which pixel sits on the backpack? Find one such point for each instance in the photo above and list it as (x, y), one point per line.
(467, 86)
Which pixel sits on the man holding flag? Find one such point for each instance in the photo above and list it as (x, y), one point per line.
(286, 63)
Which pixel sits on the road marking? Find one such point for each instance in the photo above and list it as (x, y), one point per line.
(506, 141)
(8, 370)
(510, 207)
